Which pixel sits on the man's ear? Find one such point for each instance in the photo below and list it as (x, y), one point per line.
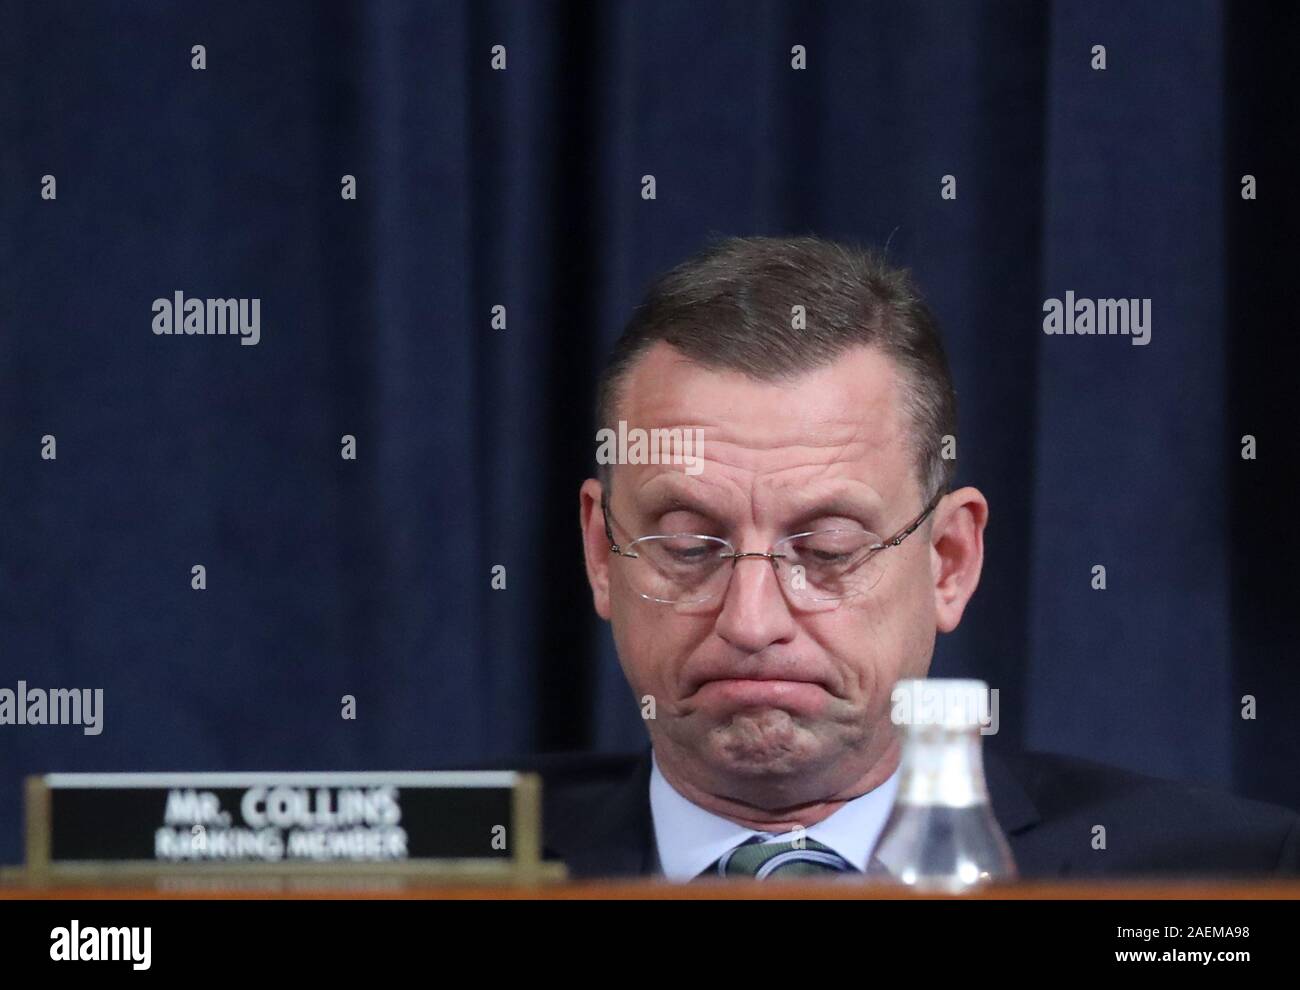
(595, 544)
(957, 553)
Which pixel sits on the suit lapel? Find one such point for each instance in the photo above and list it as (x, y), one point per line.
(1036, 856)
(1012, 805)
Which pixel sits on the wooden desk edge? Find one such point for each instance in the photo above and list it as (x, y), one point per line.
(410, 888)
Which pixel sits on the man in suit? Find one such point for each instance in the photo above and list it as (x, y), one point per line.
(781, 557)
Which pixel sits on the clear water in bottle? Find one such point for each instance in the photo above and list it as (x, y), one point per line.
(941, 835)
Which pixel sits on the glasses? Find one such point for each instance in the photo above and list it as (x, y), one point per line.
(816, 569)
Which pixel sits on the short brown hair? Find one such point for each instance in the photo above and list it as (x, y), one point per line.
(729, 308)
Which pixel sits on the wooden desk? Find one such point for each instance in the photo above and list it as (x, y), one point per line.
(415, 888)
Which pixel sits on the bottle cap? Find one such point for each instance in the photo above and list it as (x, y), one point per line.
(949, 703)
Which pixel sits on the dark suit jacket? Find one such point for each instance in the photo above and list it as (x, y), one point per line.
(596, 819)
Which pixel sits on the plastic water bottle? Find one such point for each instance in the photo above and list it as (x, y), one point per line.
(941, 835)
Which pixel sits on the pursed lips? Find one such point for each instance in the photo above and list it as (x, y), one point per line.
(792, 677)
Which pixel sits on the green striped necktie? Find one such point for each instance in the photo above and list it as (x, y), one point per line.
(798, 858)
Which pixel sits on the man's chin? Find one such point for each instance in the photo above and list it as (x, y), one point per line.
(766, 746)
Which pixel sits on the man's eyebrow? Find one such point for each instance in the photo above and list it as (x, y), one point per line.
(674, 496)
(672, 500)
(863, 508)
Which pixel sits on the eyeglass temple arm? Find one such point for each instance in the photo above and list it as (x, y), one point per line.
(609, 531)
(915, 523)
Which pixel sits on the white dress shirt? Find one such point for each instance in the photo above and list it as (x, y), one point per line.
(690, 839)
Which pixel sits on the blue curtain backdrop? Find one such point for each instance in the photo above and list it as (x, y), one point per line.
(522, 188)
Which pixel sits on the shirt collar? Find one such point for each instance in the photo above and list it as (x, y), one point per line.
(690, 839)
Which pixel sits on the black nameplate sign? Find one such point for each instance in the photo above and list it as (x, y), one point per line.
(471, 822)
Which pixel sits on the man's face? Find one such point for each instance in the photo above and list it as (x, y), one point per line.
(758, 699)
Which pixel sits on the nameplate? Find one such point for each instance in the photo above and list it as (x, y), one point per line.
(466, 822)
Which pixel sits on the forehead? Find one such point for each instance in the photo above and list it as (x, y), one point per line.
(843, 420)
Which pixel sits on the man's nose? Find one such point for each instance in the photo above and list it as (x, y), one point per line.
(754, 612)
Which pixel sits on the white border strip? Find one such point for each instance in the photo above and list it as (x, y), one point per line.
(398, 778)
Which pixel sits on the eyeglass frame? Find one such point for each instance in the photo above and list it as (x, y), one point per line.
(872, 550)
